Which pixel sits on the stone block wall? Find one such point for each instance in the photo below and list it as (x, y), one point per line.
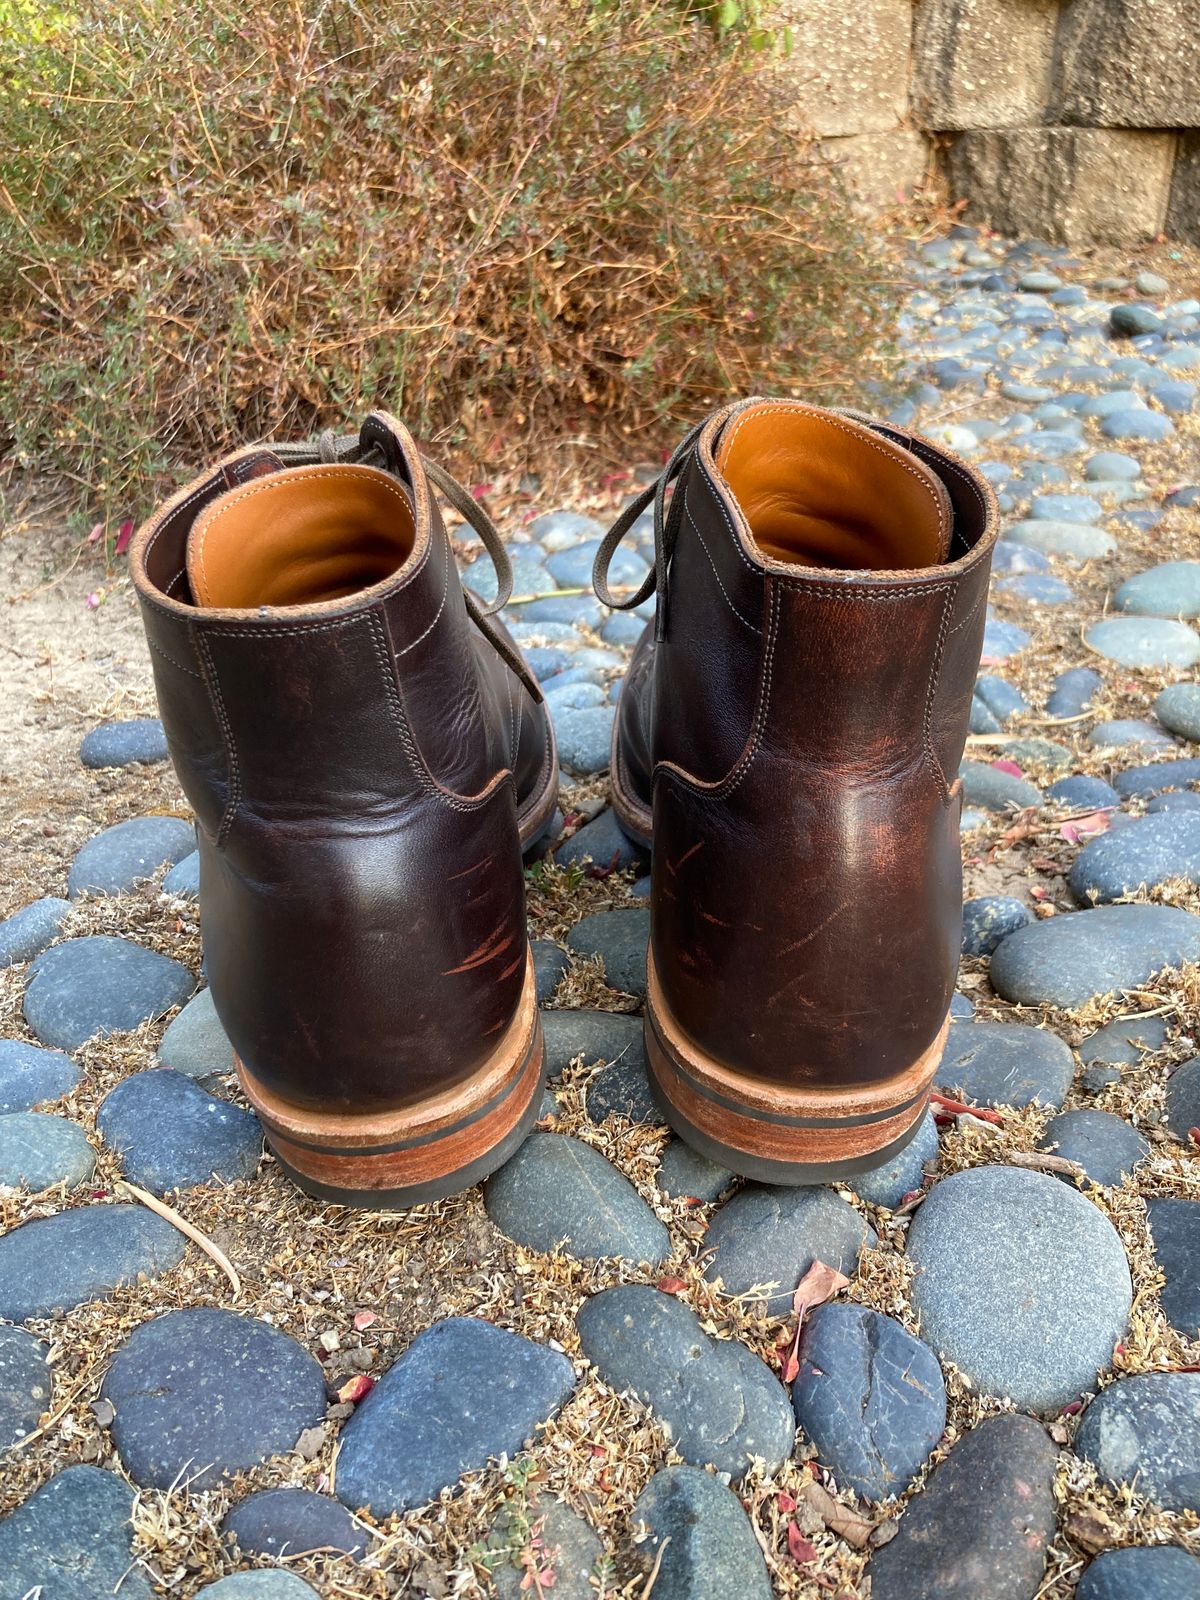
(1075, 120)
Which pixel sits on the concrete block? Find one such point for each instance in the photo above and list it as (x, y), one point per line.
(849, 66)
(982, 63)
(881, 170)
(1070, 185)
(1128, 64)
(1183, 210)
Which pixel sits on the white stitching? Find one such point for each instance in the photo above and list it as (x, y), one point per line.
(737, 543)
(725, 786)
(233, 798)
(387, 667)
(437, 614)
(268, 632)
(696, 529)
(159, 651)
(935, 671)
(425, 778)
(979, 599)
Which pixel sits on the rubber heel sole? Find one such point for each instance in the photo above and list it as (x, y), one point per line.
(387, 1160)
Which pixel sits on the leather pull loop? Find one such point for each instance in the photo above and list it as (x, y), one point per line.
(666, 530)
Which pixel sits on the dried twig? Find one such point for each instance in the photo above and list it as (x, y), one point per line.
(1043, 1161)
(169, 1214)
(654, 1570)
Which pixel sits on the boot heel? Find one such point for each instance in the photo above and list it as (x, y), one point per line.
(773, 1134)
(423, 1152)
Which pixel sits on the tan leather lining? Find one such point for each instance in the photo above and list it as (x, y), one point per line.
(820, 490)
(299, 536)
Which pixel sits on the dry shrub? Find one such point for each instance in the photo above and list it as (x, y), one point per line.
(224, 220)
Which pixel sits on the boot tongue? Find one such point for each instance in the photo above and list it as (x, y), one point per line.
(299, 536)
(819, 490)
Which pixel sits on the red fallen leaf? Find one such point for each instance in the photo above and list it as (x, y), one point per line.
(124, 534)
(1085, 827)
(1194, 1136)
(595, 871)
(819, 1283)
(785, 1501)
(356, 1389)
(671, 1285)
(1011, 767)
(96, 533)
(1071, 1408)
(364, 1319)
(959, 1108)
(478, 490)
(799, 1548)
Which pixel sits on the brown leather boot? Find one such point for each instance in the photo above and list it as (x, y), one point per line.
(366, 756)
(790, 731)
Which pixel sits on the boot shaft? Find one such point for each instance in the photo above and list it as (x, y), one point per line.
(862, 672)
(335, 708)
(805, 737)
(362, 755)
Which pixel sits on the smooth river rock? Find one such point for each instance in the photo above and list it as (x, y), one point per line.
(1147, 1429)
(720, 1404)
(1021, 1282)
(1069, 959)
(463, 1392)
(980, 1528)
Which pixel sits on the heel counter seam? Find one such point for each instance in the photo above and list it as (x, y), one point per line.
(935, 673)
(437, 616)
(233, 797)
(725, 592)
(381, 641)
(171, 661)
(720, 788)
(723, 787)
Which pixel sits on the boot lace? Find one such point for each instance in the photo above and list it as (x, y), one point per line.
(667, 519)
